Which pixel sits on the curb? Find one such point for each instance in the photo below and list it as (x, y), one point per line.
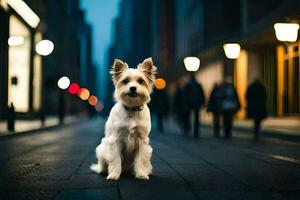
(271, 134)
(265, 133)
(32, 131)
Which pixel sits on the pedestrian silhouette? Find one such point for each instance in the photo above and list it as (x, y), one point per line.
(194, 99)
(160, 107)
(230, 104)
(214, 106)
(61, 107)
(11, 117)
(179, 107)
(256, 104)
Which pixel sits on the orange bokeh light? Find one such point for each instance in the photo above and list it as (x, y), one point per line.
(93, 100)
(83, 93)
(160, 83)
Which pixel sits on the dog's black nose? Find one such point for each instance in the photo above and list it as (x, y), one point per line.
(132, 89)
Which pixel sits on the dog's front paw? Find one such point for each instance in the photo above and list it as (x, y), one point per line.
(142, 176)
(113, 177)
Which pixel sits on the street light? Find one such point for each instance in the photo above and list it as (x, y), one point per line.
(286, 32)
(232, 50)
(191, 64)
(15, 40)
(25, 12)
(44, 47)
(63, 83)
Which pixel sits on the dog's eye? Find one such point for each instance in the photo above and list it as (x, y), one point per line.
(140, 81)
(125, 81)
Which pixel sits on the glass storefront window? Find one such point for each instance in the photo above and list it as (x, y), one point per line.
(19, 64)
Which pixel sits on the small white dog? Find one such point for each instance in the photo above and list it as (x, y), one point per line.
(125, 146)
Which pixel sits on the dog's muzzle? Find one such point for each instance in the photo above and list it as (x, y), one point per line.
(133, 94)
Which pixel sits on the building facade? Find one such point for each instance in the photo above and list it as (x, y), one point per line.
(29, 80)
(181, 28)
(249, 23)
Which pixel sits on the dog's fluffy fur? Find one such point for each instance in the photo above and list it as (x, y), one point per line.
(125, 146)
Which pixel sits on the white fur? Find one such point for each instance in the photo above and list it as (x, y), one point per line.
(125, 146)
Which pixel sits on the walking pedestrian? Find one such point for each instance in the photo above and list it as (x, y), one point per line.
(214, 106)
(195, 99)
(160, 107)
(61, 107)
(230, 104)
(256, 104)
(178, 107)
(11, 117)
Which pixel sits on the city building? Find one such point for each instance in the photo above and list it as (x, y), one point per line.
(131, 39)
(29, 80)
(143, 29)
(251, 24)
(181, 28)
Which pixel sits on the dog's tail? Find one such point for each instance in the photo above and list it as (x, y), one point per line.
(95, 168)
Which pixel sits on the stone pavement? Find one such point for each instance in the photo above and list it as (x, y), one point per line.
(284, 128)
(287, 125)
(54, 164)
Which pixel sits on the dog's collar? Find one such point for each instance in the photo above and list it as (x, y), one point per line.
(131, 110)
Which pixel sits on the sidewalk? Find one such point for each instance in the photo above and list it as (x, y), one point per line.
(283, 128)
(22, 126)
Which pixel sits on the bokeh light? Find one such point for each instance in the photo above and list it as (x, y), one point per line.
(232, 50)
(83, 93)
(99, 106)
(160, 83)
(44, 47)
(63, 82)
(73, 89)
(93, 100)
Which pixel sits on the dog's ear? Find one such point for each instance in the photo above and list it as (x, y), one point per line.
(117, 69)
(148, 69)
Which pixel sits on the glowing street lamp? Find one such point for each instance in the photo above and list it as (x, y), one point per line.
(232, 50)
(44, 47)
(63, 82)
(191, 64)
(25, 12)
(286, 32)
(15, 40)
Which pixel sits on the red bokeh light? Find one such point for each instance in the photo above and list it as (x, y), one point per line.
(73, 89)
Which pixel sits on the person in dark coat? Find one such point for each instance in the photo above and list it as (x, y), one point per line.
(11, 118)
(178, 107)
(160, 106)
(214, 106)
(256, 104)
(230, 104)
(195, 99)
(61, 107)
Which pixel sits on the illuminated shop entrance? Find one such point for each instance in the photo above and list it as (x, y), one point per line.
(288, 79)
(19, 64)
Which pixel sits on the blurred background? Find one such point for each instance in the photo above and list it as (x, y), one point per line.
(226, 69)
(80, 40)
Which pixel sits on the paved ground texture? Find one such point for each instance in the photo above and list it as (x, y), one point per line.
(54, 164)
